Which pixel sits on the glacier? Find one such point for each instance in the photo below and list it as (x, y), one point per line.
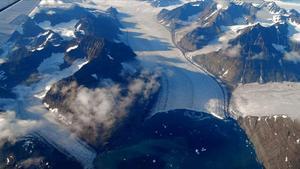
(184, 84)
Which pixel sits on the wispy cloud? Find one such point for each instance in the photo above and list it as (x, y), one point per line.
(12, 127)
(97, 109)
(233, 51)
(292, 56)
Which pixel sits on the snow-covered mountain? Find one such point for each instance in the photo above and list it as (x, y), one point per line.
(56, 48)
(163, 3)
(239, 41)
(80, 73)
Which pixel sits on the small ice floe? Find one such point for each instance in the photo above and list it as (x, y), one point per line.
(197, 151)
(110, 57)
(2, 75)
(95, 76)
(28, 146)
(51, 12)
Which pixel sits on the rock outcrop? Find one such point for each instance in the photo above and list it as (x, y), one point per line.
(276, 140)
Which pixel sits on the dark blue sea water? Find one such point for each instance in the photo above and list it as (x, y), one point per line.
(182, 140)
(32, 152)
(178, 139)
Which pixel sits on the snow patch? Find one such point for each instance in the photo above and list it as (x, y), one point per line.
(80, 65)
(65, 30)
(72, 48)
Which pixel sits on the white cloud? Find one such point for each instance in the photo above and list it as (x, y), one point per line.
(258, 56)
(103, 106)
(12, 127)
(234, 51)
(51, 3)
(292, 56)
(36, 161)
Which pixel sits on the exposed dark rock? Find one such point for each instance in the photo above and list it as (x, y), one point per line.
(274, 8)
(295, 16)
(24, 63)
(276, 140)
(106, 26)
(33, 45)
(258, 54)
(177, 18)
(198, 38)
(210, 24)
(91, 23)
(255, 56)
(112, 11)
(94, 48)
(103, 77)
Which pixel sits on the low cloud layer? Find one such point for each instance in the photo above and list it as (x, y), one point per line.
(97, 109)
(51, 3)
(12, 127)
(292, 56)
(233, 51)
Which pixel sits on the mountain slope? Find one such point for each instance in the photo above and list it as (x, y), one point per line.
(239, 42)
